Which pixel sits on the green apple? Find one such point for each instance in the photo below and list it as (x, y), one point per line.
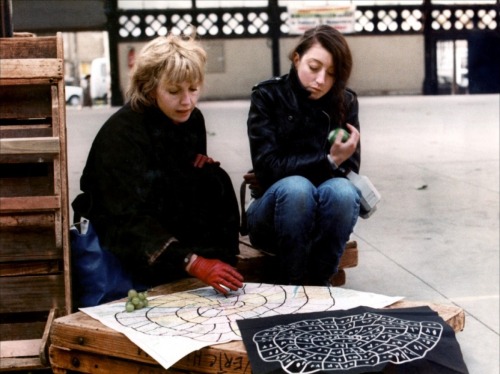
(333, 135)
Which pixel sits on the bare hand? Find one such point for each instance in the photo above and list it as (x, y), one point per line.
(251, 179)
(342, 151)
(201, 160)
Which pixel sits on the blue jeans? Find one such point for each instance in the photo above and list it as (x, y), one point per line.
(306, 226)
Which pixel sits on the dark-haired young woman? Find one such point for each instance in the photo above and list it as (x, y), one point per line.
(304, 208)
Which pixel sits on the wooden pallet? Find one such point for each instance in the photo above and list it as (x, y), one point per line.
(34, 243)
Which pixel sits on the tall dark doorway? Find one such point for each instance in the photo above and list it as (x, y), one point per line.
(484, 63)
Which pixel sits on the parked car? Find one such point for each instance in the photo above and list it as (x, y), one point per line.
(74, 95)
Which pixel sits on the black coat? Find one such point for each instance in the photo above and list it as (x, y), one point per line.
(136, 172)
(288, 132)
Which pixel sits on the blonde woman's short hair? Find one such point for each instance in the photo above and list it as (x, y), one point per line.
(172, 59)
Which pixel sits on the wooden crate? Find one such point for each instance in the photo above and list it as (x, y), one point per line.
(34, 241)
(82, 344)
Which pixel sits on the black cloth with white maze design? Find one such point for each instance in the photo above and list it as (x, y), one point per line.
(358, 340)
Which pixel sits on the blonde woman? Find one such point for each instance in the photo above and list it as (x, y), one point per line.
(156, 199)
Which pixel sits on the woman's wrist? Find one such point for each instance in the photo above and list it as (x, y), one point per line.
(188, 260)
(333, 163)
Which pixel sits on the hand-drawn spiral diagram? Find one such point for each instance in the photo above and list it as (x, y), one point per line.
(205, 315)
(343, 343)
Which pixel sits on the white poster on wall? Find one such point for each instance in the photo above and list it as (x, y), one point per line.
(340, 17)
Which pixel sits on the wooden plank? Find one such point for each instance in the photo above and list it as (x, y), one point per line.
(58, 236)
(28, 203)
(27, 179)
(84, 362)
(31, 293)
(248, 252)
(26, 82)
(20, 220)
(22, 330)
(79, 332)
(58, 112)
(60, 166)
(349, 258)
(452, 315)
(21, 364)
(30, 68)
(25, 129)
(254, 265)
(257, 265)
(13, 146)
(230, 359)
(338, 279)
(43, 351)
(63, 220)
(26, 102)
(14, 269)
(19, 348)
(27, 158)
(26, 185)
(29, 47)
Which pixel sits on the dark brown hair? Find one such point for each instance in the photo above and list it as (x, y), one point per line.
(335, 43)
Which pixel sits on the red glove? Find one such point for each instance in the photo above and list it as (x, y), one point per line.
(216, 274)
(201, 160)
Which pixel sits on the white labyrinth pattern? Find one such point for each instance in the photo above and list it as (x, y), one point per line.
(344, 343)
(205, 315)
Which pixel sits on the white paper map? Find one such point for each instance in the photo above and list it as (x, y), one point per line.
(174, 325)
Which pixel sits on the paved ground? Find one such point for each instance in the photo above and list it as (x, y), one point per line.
(435, 235)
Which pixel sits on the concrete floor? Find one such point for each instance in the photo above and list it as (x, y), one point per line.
(435, 235)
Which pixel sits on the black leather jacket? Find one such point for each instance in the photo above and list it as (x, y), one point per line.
(288, 132)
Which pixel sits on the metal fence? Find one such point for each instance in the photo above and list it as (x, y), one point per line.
(435, 22)
(223, 23)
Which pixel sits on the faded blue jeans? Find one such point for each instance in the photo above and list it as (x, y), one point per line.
(306, 226)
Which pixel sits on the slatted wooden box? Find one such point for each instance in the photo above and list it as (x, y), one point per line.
(34, 239)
